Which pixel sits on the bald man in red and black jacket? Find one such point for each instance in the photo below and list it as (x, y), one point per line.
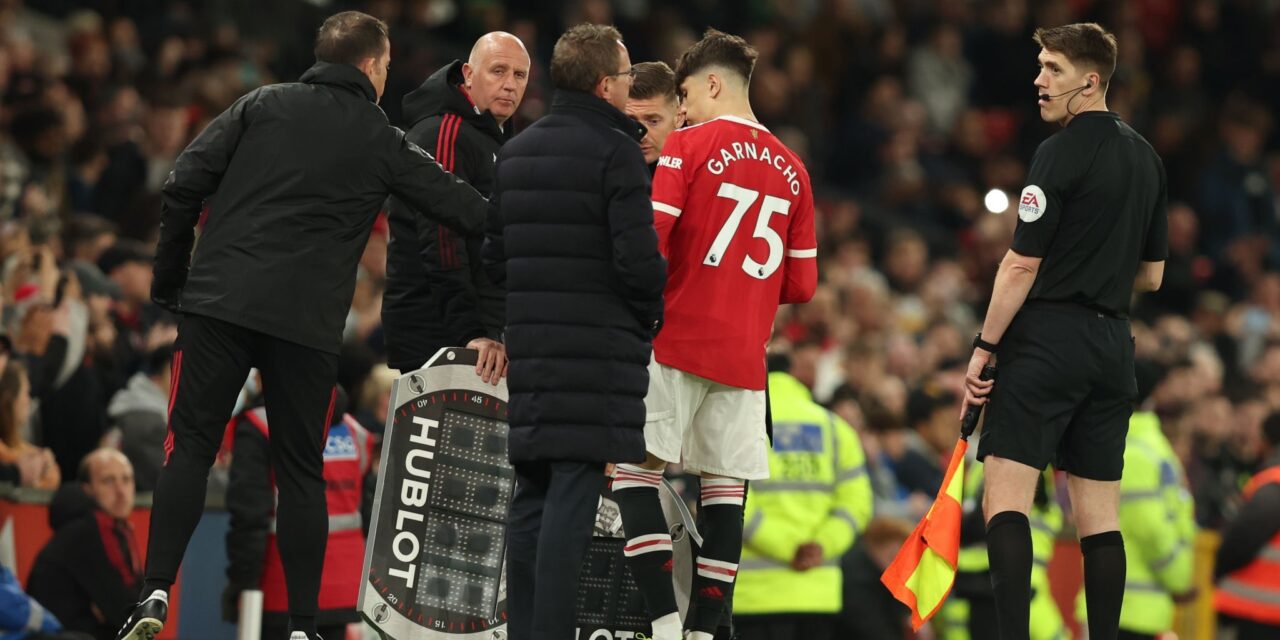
(438, 294)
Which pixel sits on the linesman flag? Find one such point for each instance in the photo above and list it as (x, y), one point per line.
(922, 573)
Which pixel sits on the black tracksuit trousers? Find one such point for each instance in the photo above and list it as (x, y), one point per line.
(211, 361)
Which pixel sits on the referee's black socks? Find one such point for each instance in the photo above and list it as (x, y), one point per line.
(1104, 575)
(1010, 555)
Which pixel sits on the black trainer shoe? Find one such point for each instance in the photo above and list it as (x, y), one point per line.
(147, 618)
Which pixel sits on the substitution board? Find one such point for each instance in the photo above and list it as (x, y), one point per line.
(434, 561)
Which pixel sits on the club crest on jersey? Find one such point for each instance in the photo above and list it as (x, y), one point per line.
(1033, 204)
(670, 162)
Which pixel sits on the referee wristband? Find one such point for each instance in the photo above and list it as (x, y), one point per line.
(979, 343)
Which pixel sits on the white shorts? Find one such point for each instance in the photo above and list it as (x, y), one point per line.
(719, 429)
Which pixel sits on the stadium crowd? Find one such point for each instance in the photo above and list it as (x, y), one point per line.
(916, 119)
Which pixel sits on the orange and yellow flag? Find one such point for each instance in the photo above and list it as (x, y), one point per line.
(924, 570)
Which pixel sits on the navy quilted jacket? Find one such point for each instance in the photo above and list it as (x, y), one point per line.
(571, 234)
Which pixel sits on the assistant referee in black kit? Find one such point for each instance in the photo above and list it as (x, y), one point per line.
(1091, 231)
(291, 178)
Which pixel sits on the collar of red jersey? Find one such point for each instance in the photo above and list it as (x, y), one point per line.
(742, 121)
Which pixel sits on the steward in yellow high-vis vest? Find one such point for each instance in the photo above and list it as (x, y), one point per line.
(817, 493)
(969, 613)
(1157, 520)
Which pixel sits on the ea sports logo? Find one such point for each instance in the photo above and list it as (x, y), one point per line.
(1032, 205)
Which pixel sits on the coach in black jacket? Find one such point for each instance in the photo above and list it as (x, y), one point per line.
(292, 177)
(438, 294)
(571, 232)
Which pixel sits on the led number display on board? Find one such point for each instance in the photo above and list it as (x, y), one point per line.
(434, 561)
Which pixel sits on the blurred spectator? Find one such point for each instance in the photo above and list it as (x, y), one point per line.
(127, 264)
(1237, 196)
(931, 416)
(71, 417)
(141, 412)
(86, 236)
(869, 610)
(37, 466)
(89, 572)
(940, 77)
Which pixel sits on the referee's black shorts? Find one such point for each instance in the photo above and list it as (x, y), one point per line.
(1064, 391)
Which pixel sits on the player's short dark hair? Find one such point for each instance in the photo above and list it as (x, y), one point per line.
(349, 37)
(583, 55)
(653, 80)
(717, 49)
(1083, 43)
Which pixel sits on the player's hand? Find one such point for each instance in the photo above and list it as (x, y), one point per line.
(976, 390)
(491, 366)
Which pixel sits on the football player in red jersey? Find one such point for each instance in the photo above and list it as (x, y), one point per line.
(734, 214)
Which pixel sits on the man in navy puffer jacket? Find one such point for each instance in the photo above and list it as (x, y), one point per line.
(571, 234)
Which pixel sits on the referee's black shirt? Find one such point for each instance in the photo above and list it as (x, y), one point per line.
(1094, 206)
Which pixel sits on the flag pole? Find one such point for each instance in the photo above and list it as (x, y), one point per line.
(923, 572)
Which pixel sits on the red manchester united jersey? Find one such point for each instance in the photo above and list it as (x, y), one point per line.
(734, 215)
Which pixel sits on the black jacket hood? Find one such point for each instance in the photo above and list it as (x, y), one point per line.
(441, 93)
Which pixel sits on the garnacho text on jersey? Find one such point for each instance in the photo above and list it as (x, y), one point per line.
(743, 151)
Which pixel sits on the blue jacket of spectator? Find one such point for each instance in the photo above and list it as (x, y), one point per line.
(20, 614)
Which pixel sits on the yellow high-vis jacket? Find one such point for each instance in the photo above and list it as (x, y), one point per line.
(817, 491)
